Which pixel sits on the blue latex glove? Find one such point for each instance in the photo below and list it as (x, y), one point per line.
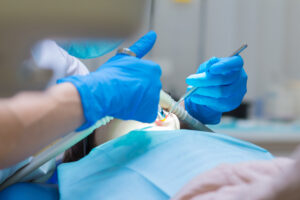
(222, 85)
(125, 87)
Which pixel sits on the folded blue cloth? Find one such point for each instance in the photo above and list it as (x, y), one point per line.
(150, 164)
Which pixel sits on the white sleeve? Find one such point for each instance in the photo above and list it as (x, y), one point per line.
(48, 55)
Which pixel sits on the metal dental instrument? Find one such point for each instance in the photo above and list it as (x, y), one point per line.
(238, 51)
(191, 91)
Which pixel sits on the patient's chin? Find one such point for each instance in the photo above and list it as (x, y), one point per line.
(117, 128)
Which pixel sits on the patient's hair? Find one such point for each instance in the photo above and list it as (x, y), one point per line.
(80, 149)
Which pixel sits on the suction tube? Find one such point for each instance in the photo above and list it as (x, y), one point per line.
(166, 101)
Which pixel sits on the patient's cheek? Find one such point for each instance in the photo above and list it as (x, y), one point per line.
(171, 122)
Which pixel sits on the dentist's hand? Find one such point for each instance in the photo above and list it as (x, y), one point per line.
(125, 87)
(222, 85)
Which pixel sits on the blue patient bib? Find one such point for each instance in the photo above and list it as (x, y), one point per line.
(150, 164)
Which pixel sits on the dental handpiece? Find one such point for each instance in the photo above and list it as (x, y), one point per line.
(193, 89)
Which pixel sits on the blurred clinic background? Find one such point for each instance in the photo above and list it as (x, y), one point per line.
(192, 31)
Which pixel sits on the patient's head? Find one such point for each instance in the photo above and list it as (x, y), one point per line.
(114, 129)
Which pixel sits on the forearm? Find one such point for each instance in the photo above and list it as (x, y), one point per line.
(31, 120)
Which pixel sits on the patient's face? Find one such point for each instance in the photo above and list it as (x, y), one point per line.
(117, 128)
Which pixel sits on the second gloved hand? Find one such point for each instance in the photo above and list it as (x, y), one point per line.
(125, 87)
(222, 85)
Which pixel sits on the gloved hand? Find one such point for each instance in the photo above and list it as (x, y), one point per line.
(222, 85)
(125, 87)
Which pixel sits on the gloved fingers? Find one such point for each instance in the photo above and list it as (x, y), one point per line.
(132, 63)
(226, 65)
(223, 91)
(144, 44)
(206, 65)
(219, 104)
(206, 79)
(219, 91)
